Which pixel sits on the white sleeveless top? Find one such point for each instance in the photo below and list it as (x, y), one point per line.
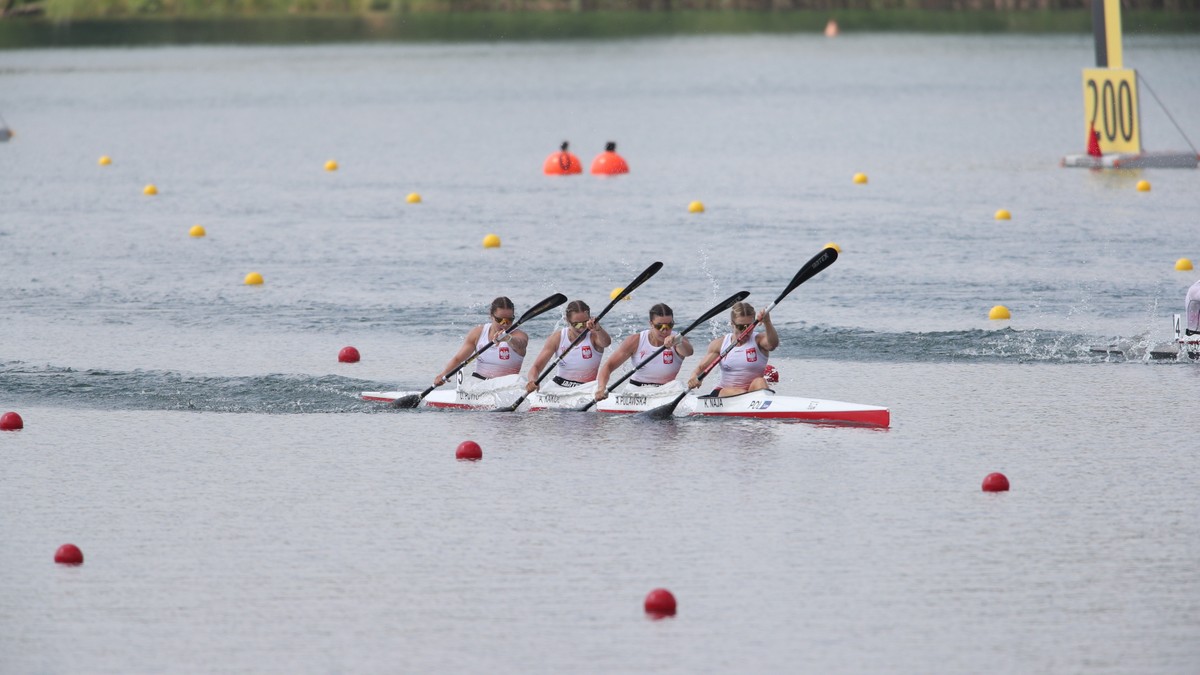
(500, 360)
(743, 363)
(582, 363)
(662, 369)
(1193, 307)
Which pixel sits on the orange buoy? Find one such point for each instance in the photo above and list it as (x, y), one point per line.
(995, 482)
(660, 603)
(11, 421)
(469, 450)
(68, 554)
(562, 163)
(348, 355)
(609, 163)
(831, 29)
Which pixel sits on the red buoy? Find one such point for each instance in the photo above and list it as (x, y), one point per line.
(609, 163)
(11, 421)
(469, 450)
(1094, 141)
(562, 163)
(348, 355)
(660, 603)
(771, 374)
(995, 482)
(68, 554)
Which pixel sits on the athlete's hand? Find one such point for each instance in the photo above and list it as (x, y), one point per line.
(693, 382)
(531, 387)
(601, 394)
(439, 381)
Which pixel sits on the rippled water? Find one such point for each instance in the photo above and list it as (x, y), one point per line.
(241, 509)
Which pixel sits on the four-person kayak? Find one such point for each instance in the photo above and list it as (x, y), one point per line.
(763, 404)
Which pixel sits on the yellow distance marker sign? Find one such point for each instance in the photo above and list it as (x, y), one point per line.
(1110, 105)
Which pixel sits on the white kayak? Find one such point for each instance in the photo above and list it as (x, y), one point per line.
(470, 394)
(764, 404)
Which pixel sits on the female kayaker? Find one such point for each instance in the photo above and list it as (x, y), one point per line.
(504, 358)
(663, 368)
(743, 367)
(581, 364)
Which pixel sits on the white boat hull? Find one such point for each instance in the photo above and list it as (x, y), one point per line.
(763, 404)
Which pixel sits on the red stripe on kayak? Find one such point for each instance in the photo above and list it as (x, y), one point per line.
(878, 418)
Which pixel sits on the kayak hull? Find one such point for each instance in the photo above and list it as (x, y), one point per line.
(763, 404)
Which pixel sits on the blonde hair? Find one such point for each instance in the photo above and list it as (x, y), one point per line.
(741, 309)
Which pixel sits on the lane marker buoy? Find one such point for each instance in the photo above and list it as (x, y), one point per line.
(1183, 264)
(491, 241)
(68, 554)
(468, 451)
(562, 163)
(331, 165)
(348, 355)
(11, 421)
(253, 279)
(995, 482)
(197, 231)
(1143, 186)
(1003, 214)
(696, 207)
(105, 160)
(150, 190)
(999, 313)
(660, 603)
(413, 198)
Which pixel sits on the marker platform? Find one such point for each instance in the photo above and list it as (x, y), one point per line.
(1144, 160)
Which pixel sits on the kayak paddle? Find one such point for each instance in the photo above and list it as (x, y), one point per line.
(413, 400)
(641, 279)
(819, 262)
(725, 304)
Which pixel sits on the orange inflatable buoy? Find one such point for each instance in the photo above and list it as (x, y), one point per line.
(562, 163)
(609, 163)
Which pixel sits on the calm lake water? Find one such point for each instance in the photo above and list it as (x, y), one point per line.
(241, 510)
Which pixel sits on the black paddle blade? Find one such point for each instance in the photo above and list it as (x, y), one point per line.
(629, 288)
(410, 401)
(811, 268)
(510, 408)
(664, 411)
(543, 306)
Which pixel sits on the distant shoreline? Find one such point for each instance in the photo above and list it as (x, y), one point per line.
(157, 29)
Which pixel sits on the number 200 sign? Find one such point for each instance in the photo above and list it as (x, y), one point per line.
(1110, 106)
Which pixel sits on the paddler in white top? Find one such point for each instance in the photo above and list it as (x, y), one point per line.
(504, 358)
(663, 368)
(581, 364)
(743, 367)
(1192, 307)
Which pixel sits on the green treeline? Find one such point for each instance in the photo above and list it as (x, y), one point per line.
(87, 9)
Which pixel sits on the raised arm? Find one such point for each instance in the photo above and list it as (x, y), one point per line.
(600, 337)
(543, 357)
(467, 348)
(714, 351)
(614, 360)
(768, 340)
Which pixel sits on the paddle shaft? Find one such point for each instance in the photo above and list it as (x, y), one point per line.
(726, 304)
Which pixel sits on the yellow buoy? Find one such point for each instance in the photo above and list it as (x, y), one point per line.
(413, 198)
(491, 241)
(1143, 186)
(999, 312)
(1003, 214)
(617, 291)
(331, 165)
(253, 279)
(105, 160)
(860, 178)
(1183, 264)
(150, 190)
(197, 231)
(695, 207)
(834, 246)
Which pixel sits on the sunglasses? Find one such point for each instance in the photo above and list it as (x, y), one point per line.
(739, 327)
(664, 326)
(502, 321)
(579, 325)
